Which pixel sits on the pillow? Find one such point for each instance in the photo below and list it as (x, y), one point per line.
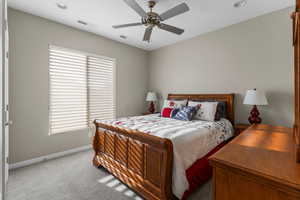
(207, 110)
(186, 113)
(221, 110)
(173, 104)
(169, 112)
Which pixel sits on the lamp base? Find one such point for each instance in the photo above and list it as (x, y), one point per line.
(151, 108)
(254, 116)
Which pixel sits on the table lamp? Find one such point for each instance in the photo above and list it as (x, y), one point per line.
(256, 98)
(151, 97)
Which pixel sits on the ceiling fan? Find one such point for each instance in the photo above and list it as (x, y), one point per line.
(152, 19)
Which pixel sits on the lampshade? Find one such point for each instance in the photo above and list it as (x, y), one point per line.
(151, 96)
(255, 97)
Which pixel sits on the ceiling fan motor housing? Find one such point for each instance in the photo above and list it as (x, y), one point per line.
(152, 18)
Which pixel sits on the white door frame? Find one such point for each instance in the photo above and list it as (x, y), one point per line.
(5, 99)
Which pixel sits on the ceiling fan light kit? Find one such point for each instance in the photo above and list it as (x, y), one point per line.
(152, 19)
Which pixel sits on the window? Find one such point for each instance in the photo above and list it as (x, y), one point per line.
(81, 89)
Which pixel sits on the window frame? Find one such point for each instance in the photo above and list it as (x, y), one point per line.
(87, 54)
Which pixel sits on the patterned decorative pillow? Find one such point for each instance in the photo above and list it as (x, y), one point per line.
(207, 110)
(221, 108)
(172, 104)
(169, 112)
(186, 113)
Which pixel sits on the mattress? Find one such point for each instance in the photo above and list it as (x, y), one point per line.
(191, 140)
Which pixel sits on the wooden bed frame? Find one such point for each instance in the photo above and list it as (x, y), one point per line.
(142, 161)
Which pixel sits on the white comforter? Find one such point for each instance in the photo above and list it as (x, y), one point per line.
(191, 140)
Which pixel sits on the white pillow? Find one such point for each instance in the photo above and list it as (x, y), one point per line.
(207, 110)
(174, 103)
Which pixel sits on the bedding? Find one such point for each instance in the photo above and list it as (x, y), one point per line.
(200, 172)
(191, 140)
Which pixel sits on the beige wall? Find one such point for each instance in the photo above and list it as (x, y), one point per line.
(29, 40)
(252, 54)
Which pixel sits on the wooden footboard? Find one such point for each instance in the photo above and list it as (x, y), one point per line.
(142, 161)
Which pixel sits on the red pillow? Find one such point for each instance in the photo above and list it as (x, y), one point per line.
(167, 112)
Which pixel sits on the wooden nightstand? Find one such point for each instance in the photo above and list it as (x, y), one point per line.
(239, 128)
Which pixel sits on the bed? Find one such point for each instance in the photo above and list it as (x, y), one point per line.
(149, 158)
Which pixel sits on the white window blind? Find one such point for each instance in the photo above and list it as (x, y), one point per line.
(101, 92)
(81, 89)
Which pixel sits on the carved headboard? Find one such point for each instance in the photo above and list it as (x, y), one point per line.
(228, 98)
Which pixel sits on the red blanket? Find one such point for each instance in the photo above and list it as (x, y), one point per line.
(200, 172)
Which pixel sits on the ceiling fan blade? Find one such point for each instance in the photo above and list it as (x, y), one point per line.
(136, 7)
(127, 25)
(171, 29)
(148, 33)
(177, 10)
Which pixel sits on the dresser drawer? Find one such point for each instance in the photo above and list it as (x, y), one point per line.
(230, 185)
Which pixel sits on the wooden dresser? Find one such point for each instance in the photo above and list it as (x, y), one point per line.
(260, 164)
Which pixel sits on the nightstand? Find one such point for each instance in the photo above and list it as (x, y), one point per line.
(239, 128)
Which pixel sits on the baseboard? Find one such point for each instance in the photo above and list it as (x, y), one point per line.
(48, 157)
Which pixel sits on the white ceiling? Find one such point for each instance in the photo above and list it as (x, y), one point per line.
(204, 16)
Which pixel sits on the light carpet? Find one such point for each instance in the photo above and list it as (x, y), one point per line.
(74, 178)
